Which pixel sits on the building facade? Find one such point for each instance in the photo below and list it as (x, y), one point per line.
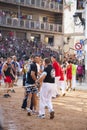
(74, 27)
(37, 20)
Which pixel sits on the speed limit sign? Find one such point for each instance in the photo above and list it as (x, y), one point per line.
(78, 46)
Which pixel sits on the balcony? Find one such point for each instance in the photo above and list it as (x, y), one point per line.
(30, 25)
(40, 4)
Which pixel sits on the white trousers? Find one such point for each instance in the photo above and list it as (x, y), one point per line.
(63, 86)
(46, 97)
(57, 81)
(73, 81)
(56, 87)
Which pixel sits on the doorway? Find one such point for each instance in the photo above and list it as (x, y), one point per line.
(49, 40)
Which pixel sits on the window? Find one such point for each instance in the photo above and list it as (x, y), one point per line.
(32, 24)
(27, 24)
(28, 2)
(60, 28)
(33, 2)
(49, 40)
(42, 4)
(15, 22)
(21, 23)
(18, 1)
(9, 21)
(42, 26)
(45, 19)
(29, 17)
(51, 5)
(22, 1)
(51, 27)
(80, 5)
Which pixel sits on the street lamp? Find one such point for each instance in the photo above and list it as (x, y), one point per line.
(78, 20)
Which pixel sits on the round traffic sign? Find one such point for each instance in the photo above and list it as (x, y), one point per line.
(78, 46)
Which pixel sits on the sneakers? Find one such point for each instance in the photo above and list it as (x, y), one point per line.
(46, 107)
(58, 95)
(53, 97)
(6, 95)
(29, 111)
(63, 94)
(52, 115)
(13, 91)
(35, 112)
(73, 89)
(67, 89)
(41, 116)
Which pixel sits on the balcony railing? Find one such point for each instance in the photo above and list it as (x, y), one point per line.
(30, 25)
(52, 6)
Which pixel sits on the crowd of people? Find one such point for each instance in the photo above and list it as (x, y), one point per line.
(43, 77)
(11, 46)
(46, 77)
